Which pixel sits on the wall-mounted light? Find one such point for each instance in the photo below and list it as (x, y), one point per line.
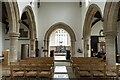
(38, 3)
(42, 47)
(80, 4)
(31, 2)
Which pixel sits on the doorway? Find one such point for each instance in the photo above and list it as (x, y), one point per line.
(24, 51)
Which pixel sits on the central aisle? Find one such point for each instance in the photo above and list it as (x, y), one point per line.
(62, 69)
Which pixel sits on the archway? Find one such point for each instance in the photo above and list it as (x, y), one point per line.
(12, 19)
(60, 44)
(57, 26)
(92, 12)
(28, 19)
(111, 18)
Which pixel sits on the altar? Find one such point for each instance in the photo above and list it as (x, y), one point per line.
(60, 49)
(60, 54)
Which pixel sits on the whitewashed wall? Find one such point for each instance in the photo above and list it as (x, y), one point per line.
(51, 13)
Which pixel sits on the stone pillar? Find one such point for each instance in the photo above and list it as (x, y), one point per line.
(32, 48)
(110, 48)
(13, 47)
(46, 48)
(72, 48)
(86, 47)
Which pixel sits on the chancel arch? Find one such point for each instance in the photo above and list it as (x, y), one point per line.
(59, 25)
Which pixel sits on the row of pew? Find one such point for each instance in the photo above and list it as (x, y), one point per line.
(33, 67)
(93, 67)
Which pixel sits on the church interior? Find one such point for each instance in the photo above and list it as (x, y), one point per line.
(66, 39)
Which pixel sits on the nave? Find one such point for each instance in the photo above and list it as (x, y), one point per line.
(40, 40)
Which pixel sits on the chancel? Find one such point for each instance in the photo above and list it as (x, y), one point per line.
(65, 39)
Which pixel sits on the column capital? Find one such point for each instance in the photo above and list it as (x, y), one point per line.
(14, 34)
(110, 34)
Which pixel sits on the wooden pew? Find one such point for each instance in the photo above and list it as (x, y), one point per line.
(16, 70)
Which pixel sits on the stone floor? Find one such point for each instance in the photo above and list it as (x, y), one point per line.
(62, 68)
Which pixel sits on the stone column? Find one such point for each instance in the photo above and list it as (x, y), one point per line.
(46, 48)
(13, 46)
(32, 48)
(86, 47)
(72, 48)
(110, 48)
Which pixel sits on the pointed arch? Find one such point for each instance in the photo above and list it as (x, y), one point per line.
(31, 19)
(63, 26)
(32, 28)
(13, 16)
(57, 26)
(13, 19)
(110, 29)
(93, 8)
(110, 17)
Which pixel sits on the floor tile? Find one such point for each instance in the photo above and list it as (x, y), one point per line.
(61, 76)
(60, 69)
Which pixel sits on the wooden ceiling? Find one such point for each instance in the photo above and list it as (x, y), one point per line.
(24, 19)
(97, 18)
(97, 14)
(24, 16)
